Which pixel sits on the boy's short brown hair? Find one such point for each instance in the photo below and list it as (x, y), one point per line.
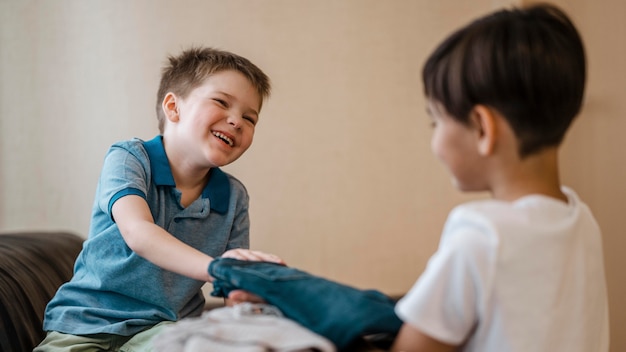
(193, 66)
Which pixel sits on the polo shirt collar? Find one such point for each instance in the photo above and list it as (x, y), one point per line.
(217, 189)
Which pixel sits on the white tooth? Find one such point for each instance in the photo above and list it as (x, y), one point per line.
(225, 138)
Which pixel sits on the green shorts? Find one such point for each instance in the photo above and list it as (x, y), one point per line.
(60, 342)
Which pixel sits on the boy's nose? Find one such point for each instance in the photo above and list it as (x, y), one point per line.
(235, 121)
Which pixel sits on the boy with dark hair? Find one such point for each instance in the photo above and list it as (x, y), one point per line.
(163, 210)
(523, 271)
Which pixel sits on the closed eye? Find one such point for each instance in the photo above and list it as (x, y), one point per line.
(221, 102)
(250, 119)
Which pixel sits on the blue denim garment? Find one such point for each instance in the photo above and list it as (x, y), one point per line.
(338, 312)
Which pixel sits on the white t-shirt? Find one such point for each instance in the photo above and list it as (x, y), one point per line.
(515, 276)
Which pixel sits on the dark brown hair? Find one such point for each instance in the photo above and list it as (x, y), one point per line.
(528, 64)
(193, 66)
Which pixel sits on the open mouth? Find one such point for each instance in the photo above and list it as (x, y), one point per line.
(224, 138)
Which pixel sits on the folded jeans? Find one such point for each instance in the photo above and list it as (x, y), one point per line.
(338, 312)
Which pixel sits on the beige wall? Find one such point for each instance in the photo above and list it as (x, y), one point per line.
(340, 175)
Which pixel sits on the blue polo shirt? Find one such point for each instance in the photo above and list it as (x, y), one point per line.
(114, 290)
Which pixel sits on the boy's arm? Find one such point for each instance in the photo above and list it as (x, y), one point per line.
(134, 220)
(410, 339)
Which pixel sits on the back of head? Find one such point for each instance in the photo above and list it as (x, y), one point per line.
(193, 66)
(528, 64)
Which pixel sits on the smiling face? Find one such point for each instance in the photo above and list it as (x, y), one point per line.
(214, 125)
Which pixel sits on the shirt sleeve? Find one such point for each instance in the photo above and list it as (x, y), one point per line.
(447, 299)
(123, 173)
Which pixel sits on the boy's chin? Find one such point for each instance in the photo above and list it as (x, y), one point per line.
(220, 162)
(456, 184)
(465, 188)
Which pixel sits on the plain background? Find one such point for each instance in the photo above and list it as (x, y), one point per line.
(341, 177)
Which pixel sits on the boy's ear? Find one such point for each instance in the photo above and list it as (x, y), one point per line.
(170, 107)
(484, 120)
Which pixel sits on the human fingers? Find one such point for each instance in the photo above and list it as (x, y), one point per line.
(267, 257)
(241, 296)
(242, 254)
(245, 254)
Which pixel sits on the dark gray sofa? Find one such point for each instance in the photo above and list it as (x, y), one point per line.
(32, 266)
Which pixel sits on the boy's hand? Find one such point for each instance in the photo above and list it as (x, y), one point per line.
(246, 254)
(241, 296)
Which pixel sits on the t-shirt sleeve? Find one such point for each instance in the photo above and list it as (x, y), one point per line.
(124, 172)
(446, 301)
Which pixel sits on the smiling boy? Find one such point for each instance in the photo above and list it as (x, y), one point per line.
(163, 210)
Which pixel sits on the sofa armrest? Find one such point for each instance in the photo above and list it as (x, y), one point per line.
(32, 267)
